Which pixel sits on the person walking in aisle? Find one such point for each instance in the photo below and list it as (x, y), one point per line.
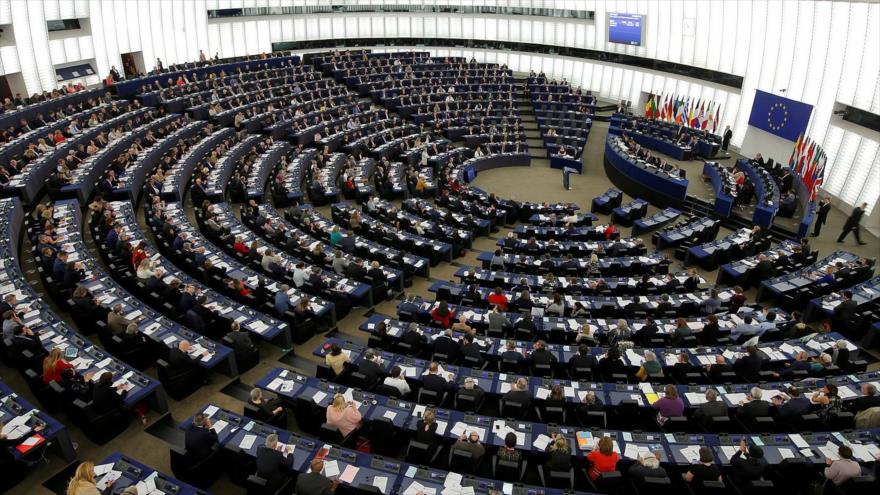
(852, 224)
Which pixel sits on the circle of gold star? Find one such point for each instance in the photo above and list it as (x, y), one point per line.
(780, 125)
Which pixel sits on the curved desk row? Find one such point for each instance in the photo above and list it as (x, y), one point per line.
(638, 179)
(476, 165)
(724, 202)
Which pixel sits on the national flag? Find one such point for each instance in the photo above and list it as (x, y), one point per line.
(663, 107)
(794, 152)
(690, 115)
(710, 118)
(648, 106)
(701, 116)
(717, 118)
(670, 108)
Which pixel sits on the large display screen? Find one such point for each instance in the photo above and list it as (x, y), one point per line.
(625, 28)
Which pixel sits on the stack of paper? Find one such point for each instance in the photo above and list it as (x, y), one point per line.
(691, 453)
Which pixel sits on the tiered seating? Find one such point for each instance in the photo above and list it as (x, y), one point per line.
(311, 221)
(383, 210)
(212, 317)
(787, 257)
(264, 165)
(795, 289)
(669, 138)
(631, 167)
(743, 242)
(563, 119)
(90, 309)
(571, 266)
(692, 230)
(371, 228)
(655, 221)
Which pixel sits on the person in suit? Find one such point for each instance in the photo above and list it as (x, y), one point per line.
(445, 344)
(647, 467)
(270, 410)
(751, 467)
(240, 341)
(717, 368)
(470, 349)
(106, 397)
(725, 138)
(541, 356)
(414, 338)
(314, 482)
(753, 406)
(180, 360)
(839, 354)
(274, 463)
(511, 354)
(519, 393)
(497, 321)
(852, 224)
(846, 310)
(582, 360)
(433, 379)
(558, 453)
(426, 428)
(796, 406)
(369, 367)
(822, 210)
(24, 339)
(749, 366)
(116, 322)
(200, 440)
(470, 389)
(471, 443)
(866, 400)
(712, 408)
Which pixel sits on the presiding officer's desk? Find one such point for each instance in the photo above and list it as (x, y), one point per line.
(238, 434)
(475, 165)
(724, 187)
(108, 293)
(130, 472)
(20, 418)
(774, 354)
(641, 179)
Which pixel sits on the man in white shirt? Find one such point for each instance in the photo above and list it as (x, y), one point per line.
(397, 380)
(299, 274)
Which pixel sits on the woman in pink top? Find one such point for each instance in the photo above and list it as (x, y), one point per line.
(343, 416)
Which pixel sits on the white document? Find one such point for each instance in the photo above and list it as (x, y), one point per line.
(247, 442)
(319, 396)
(541, 442)
(331, 469)
(219, 426)
(103, 469)
(799, 441)
(211, 410)
(380, 482)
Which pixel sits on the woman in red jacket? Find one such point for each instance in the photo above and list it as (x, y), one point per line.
(53, 365)
(239, 246)
(138, 255)
(603, 459)
(442, 315)
(497, 298)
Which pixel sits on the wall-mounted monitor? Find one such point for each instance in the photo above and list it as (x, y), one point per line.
(626, 29)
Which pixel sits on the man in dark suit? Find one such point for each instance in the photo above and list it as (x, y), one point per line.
(433, 380)
(180, 360)
(764, 269)
(786, 181)
(369, 367)
(274, 465)
(725, 138)
(23, 339)
(510, 353)
(822, 210)
(750, 468)
(447, 346)
(795, 407)
(540, 354)
(200, 440)
(519, 393)
(240, 341)
(749, 365)
(106, 397)
(846, 310)
(852, 224)
(187, 299)
(315, 483)
(582, 360)
(471, 389)
(470, 349)
(413, 338)
(712, 408)
(720, 366)
(754, 406)
(867, 400)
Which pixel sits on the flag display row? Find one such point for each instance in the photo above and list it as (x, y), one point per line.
(808, 161)
(691, 112)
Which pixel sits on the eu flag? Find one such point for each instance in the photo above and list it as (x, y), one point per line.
(783, 117)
